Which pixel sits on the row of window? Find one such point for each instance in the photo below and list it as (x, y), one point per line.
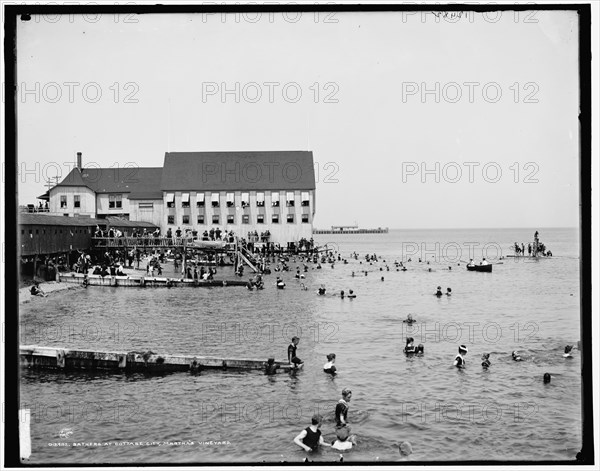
(114, 201)
(76, 201)
(216, 219)
(244, 200)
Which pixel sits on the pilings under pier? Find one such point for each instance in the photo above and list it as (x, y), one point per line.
(57, 358)
(143, 281)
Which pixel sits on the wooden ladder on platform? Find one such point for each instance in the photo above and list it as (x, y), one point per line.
(243, 255)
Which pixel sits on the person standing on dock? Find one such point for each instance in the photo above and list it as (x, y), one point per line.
(292, 358)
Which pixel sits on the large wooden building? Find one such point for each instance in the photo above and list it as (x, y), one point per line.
(46, 234)
(243, 192)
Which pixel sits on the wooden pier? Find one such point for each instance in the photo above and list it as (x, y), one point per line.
(350, 230)
(142, 281)
(57, 358)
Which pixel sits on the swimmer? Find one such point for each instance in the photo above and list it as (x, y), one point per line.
(382, 278)
(486, 361)
(342, 294)
(292, 358)
(280, 283)
(351, 294)
(547, 378)
(341, 409)
(310, 438)
(321, 290)
(409, 319)
(271, 366)
(405, 449)
(448, 291)
(329, 367)
(439, 292)
(303, 287)
(410, 348)
(568, 350)
(516, 356)
(459, 360)
(344, 441)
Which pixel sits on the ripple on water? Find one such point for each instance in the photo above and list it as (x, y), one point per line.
(421, 399)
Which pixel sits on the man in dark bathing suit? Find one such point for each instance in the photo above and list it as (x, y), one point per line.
(292, 358)
(310, 438)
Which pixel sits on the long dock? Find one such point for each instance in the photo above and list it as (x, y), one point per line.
(351, 231)
(57, 358)
(143, 281)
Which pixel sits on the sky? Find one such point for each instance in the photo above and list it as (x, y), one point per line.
(414, 121)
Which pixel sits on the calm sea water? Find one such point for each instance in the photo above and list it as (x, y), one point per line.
(504, 413)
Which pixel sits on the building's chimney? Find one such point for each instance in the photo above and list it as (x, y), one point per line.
(79, 160)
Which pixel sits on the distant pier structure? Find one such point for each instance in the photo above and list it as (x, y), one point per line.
(354, 229)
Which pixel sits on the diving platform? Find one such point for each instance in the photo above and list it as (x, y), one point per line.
(58, 358)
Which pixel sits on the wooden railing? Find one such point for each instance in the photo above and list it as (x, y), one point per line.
(147, 241)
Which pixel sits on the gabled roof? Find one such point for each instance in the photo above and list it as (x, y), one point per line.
(117, 180)
(214, 171)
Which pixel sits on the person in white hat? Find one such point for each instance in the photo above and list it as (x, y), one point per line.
(459, 360)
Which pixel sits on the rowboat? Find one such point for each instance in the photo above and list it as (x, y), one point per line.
(483, 268)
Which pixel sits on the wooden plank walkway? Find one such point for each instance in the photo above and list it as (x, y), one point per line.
(34, 356)
(144, 281)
